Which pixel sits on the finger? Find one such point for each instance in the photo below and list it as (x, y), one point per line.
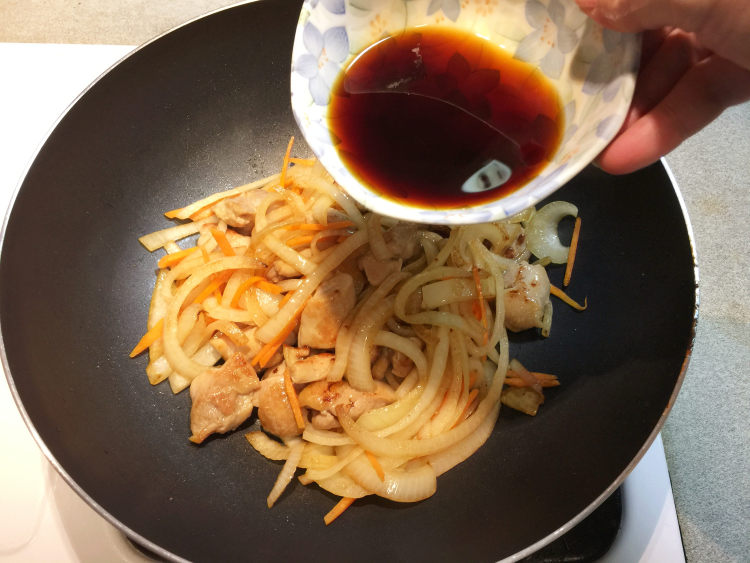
(721, 25)
(639, 15)
(701, 95)
(678, 52)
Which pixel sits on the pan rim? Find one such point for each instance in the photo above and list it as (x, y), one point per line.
(162, 552)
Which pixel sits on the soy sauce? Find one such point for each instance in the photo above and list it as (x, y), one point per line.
(440, 118)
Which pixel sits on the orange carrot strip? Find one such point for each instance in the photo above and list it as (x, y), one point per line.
(544, 376)
(303, 161)
(376, 465)
(215, 283)
(174, 258)
(472, 378)
(153, 334)
(269, 349)
(285, 165)
(285, 299)
(572, 252)
(293, 401)
(268, 287)
(203, 212)
(472, 395)
(244, 286)
(221, 240)
(520, 382)
(559, 293)
(302, 239)
(338, 510)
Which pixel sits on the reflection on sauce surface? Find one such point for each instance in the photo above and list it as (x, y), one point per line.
(440, 118)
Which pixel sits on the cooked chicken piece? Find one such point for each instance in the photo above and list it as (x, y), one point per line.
(223, 398)
(325, 311)
(239, 211)
(402, 240)
(324, 421)
(375, 270)
(380, 365)
(514, 245)
(324, 396)
(274, 411)
(292, 354)
(401, 364)
(350, 266)
(526, 297)
(311, 369)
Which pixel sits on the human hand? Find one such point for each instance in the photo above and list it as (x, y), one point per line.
(695, 63)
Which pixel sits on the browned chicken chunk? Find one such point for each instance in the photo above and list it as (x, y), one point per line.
(311, 369)
(274, 411)
(325, 311)
(324, 396)
(239, 211)
(223, 398)
(526, 297)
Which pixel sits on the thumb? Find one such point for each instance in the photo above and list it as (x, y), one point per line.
(723, 26)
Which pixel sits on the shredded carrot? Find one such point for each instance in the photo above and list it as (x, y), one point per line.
(541, 376)
(244, 286)
(557, 292)
(293, 401)
(338, 510)
(269, 349)
(473, 378)
(269, 287)
(175, 258)
(285, 165)
(285, 299)
(303, 161)
(203, 212)
(513, 381)
(472, 395)
(216, 282)
(223, 242)
(302, 239)
(480, 302)
(153, 334)
(319, 226)
(204, 252)
(376, 465)
(572, 252)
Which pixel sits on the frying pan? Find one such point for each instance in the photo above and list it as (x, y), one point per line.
(206, 107)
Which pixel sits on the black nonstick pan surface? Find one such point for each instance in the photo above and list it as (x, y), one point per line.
(206, 107)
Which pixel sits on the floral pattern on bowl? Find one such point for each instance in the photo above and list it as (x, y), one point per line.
(592, 68)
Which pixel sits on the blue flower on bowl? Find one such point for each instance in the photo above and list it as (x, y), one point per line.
(550, 30)
(321, 64)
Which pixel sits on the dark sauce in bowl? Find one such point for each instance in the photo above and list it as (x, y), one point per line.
(440, 118)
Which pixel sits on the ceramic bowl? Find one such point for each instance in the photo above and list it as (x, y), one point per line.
(593, 70)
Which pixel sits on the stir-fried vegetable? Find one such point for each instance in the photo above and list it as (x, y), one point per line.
(375, 351)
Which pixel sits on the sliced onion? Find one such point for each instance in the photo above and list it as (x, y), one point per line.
(341, 486)
(382, 417)
(287, 472)
(450, 457)
(542, 238)
(398, 485)
(325, 437)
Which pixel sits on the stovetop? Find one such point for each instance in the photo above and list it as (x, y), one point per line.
(43, 518)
